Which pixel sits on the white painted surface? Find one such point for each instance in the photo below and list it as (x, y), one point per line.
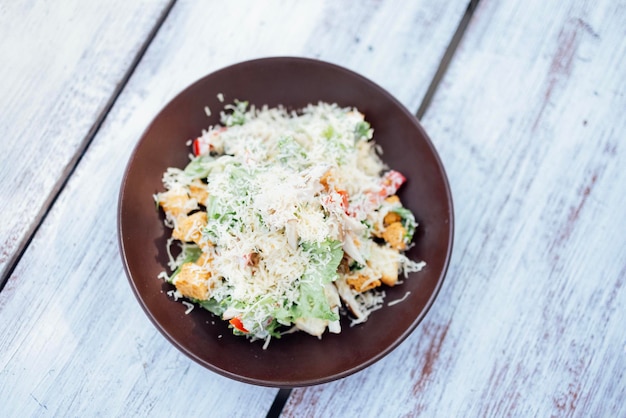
(74, 341)
(529, 121)
(61, 64)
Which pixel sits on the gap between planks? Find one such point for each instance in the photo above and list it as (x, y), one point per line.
(283, 394)
(80, 152)
(447, 58)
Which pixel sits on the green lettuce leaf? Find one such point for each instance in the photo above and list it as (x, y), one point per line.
(200, 167)
(324, 258)
(408, 222)
(189, 254)
(212, 306)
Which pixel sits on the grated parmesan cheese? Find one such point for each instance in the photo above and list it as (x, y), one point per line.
(396, 301)
(189, 307)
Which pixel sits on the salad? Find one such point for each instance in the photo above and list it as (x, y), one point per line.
(285, 220)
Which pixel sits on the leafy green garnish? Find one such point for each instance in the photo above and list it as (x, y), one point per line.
(212, 306)
(285, 315)
(329, 132)
(408, 222)
(238, 115)
(356, 266)
(200, 167)
(190, 253)
(363, 130)
(273, 328)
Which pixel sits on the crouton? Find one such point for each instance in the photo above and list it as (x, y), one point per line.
(390, 218)
(189, 228)
(393, 199)
(176, 202)
(198, 191)
(362, 283)
(394, 236)
(204, 259)
(193, 281)
(384, 261)
(327, 179)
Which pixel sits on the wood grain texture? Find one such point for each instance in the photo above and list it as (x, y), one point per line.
(530, 321)
(61, 64)
(75, 342)
(372, 39)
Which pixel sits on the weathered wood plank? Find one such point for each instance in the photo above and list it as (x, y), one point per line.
(61, 64)
(373, 39)
(530, 124)
(70, 324)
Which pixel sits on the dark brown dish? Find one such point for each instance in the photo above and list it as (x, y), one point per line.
(296, 359)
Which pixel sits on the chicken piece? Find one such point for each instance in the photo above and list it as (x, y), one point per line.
(362, 283)
(384, 261)
(394, 235)
(330, 291)
(193, 281)
(198, 191)
(291, 232)
(189, 228)
(313, 326)
(348, 296)
(335, 326)
(351, 246)
(176, 202)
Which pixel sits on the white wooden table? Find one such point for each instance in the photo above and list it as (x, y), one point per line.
(525, 102)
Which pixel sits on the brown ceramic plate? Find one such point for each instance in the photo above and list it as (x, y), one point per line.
(296, 359)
